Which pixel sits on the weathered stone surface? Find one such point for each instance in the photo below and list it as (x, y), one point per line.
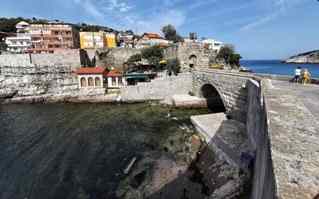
(221, 163)
(234, 94)
(158, 89)
(294, 137)
(185, 51)
(188, 101)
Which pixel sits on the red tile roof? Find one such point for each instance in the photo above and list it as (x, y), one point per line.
(114, 73)
(152, 35)
(91, 70)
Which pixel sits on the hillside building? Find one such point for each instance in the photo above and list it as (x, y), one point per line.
(152, 39)
(97, 40)
(39, 38)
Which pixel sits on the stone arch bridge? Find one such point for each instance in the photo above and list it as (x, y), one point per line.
(229, 87)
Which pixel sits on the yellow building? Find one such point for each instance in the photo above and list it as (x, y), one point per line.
(89, 40)
(110, 40)
(92, 40)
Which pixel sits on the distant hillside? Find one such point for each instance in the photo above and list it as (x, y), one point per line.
(8, 25)
(311, 57)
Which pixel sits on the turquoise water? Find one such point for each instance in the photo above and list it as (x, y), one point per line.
(276, 67)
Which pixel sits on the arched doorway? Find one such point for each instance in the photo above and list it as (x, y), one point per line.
(83, 82)
(97, 82)
(90, 81)
(192, 61)
(213, 99)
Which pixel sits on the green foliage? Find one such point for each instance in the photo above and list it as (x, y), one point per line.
(153, 55)
(3, 46)
(134, 58)
(225, 53)
(170, 33)
(234, 60)
(173, 66)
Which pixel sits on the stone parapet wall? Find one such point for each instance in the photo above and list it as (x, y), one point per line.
(158, 89)
(263, 185)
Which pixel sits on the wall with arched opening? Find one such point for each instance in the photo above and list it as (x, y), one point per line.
(213, 98)
(192, 61)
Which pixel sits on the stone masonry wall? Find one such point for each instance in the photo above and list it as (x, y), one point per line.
(158, 89)
(65, 58)
(34, 80)
(116, 57)
(234, 94)
(263, 185)
(183, 51)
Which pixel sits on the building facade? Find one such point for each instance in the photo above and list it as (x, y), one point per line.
(213, 44)
(92, 40)
(97, 40)
(152, 39)
(39, 38)
(49, 37)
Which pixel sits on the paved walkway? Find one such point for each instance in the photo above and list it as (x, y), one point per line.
(293, 113)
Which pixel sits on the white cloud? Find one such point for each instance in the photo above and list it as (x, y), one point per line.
(117, 5)
(155, 21)
(276, 9)
(90, 7)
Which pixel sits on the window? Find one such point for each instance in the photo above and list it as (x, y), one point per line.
(83, 82)
(90, 81)
(97, 81)
(120, 81)
(113, 81)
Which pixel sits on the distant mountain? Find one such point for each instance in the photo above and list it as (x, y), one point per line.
(311, 57)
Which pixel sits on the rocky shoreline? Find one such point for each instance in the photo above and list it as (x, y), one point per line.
(311, 57)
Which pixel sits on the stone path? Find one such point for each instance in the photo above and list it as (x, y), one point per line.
(293, 113)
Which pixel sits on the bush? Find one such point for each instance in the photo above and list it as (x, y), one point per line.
(173, 66)
(134, 58)
(153, 55)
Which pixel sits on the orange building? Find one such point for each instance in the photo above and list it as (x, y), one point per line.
(51, 37)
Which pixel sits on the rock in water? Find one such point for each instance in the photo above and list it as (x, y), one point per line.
(129, 166)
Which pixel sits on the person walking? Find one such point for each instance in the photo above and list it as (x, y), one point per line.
(306, 77)
(297, 74)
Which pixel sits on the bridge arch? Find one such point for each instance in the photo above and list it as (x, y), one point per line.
(213, 98)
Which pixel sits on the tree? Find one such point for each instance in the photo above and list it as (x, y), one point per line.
(225, 53)
(170, 33)
(173, 66)
(235, 60)
(153, 55)
(134, 59)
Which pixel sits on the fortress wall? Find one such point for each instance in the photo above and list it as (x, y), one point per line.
(63, 57)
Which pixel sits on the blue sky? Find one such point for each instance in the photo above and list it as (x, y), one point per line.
(259, 29)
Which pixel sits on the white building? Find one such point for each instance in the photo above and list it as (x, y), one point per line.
(99, 78)
(18, 44)
(115, 79)
(89, 78)
(213, 44)
(22, 42)
(152, 39)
